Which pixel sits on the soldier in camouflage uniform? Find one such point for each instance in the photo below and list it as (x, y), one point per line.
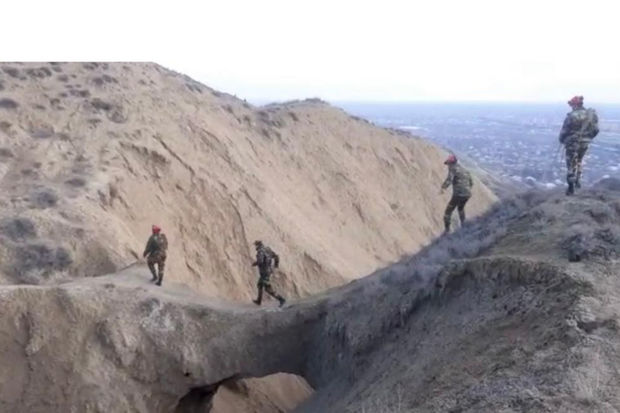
(264, 258)
(461, 182)
(155, 254)
(579, 128)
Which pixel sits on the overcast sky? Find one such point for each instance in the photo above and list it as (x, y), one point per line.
(383, 50)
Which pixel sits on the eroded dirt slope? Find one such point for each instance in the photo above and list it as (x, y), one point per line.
(92, 154)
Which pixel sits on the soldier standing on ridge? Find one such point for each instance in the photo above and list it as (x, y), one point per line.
(264, 258)
(155, 253)
(579, 128)
(461, 182)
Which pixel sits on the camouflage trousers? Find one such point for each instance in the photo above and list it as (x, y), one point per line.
(455, 202)
(160, 261)
(264, 283)
(575, 153)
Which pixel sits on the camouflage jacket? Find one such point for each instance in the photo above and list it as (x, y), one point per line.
(264, 259)
(156, 245)
(580, 125)
(460, 179)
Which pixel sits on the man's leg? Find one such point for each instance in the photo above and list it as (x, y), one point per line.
(571, 168)
(447, 216)
(151, 265)
(272, 293)
(581, 153)
(259, 299)
(461, 207)
(161, 264)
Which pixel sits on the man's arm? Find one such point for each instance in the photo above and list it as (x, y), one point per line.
(448, 180)
(566, 127)
(595, 129)
(276, 259)
(149, 247)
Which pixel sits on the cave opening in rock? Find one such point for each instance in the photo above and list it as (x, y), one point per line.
(281, 392)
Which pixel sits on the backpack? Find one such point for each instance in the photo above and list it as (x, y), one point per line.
(162, 242)
(589, 129)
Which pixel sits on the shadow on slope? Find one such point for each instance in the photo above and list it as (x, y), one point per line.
(519, 251)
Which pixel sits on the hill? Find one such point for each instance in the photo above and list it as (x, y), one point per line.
(491, 318)
(93, 154)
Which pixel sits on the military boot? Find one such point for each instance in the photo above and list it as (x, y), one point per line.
(281, 300)
(259, 299)
(571, 189)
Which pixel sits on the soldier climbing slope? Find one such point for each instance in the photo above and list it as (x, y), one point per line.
(461, 182)
(155, 253)
(579, 128)
(264, 259)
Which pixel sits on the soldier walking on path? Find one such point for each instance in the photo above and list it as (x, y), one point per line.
(461, 182)
(266, 260)
(155, 254)
(579, 128)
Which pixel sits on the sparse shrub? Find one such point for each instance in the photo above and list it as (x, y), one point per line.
(63, 95)
(216, 93)
(94, 121)
(40, 107)
(7, 103)
(100, 81)
(229, 109)
(55, 103)
(117, 115)
(43, 132)
(18, 229)
(5, 126)
(90, 66)
(39, 73)
(76, 182)
(45, 198)
(11, 71)
(294, 116)
(601, 213)
(41, 258)
(101, 105)
(6, 153)
(56, 67)
(1, 86)
(80, 93)
(63, 78)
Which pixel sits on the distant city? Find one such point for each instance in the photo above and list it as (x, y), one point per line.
(518, 142)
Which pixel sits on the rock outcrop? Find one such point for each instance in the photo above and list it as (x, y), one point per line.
(490, 318)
